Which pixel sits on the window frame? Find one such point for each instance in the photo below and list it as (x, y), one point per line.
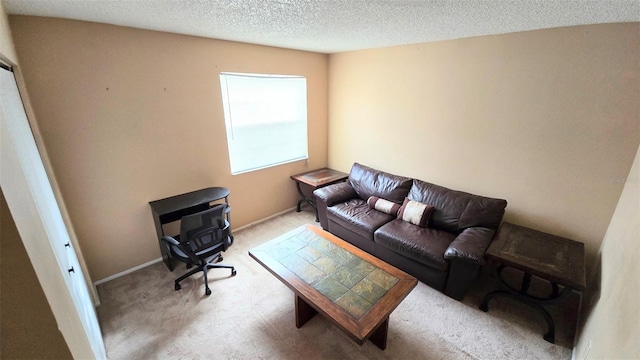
(298, 126)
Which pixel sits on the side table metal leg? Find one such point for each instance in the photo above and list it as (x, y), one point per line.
(551, 333)
(305, 199)
(484, 306)
(523, 296)
(302, 196)
(550, 336)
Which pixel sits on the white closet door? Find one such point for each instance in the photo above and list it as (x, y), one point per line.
(37, 216)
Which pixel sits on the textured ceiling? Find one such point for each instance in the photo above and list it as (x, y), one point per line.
(330, 26)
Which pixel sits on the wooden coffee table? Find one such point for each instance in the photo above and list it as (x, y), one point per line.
(351, 288)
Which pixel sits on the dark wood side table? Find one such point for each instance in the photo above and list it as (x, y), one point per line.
(307, 182)
(552, 258)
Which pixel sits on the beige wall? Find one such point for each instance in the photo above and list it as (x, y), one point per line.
(549, 119)
(129, 116)
(612, 326)
(7, 49)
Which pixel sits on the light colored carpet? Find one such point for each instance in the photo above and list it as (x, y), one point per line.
(251, 316)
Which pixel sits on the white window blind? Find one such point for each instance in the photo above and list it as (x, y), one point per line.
(265, 118)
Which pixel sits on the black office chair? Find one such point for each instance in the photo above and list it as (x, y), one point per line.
(203, 237)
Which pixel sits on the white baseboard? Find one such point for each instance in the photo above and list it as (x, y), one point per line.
(141, 266)
(136, 268)
(263, 220)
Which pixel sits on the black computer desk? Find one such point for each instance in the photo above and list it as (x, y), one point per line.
(175, 207)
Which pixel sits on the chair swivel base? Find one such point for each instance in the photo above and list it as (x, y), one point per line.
(204, 270)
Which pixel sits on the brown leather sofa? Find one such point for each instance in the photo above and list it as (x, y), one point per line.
(446, 255)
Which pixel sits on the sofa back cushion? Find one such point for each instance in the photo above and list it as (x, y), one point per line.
(458, 210)
(371, 182)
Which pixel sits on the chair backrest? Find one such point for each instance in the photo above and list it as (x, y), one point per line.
(206, 231)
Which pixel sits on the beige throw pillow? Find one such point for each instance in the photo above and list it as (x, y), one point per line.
(415, 212)
(386, 206)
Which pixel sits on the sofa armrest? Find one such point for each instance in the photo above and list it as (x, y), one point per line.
(336, 193)
(329, 196)
(470, 245)
(466, 256)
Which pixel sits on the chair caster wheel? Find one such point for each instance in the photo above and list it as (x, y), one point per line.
(233, 272)
(219, 258)
(207, 292)
(177, 287)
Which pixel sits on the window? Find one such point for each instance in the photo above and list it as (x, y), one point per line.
(266, 119)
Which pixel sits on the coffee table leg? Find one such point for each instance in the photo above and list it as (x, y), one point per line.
(304, 312)
(379, 336)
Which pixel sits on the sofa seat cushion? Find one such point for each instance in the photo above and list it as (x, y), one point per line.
(355, 215)
(424, 245)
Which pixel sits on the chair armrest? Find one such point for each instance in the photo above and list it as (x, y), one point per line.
(333, 194)
(171, 240)
(470, 245)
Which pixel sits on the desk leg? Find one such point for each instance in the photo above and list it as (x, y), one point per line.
(163, 247)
